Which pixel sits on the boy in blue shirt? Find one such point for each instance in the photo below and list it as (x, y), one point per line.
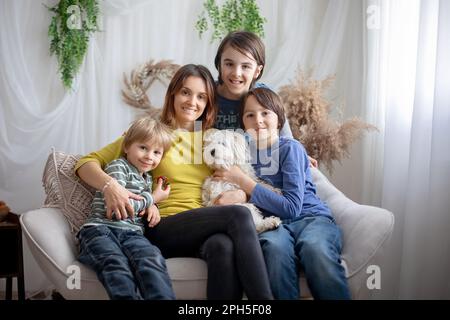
(308, 236)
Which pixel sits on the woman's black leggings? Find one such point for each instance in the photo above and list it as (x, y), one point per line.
(183, 235)
(223, 278)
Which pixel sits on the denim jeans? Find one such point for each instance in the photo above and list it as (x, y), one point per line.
(126, 263)
(312, 243)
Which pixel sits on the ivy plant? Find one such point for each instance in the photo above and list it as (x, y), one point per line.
(71, 25)
(231, 16)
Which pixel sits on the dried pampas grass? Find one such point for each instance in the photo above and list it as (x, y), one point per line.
(140, 81)
(308, 111)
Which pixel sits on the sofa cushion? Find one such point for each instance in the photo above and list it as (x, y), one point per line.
(65, 190)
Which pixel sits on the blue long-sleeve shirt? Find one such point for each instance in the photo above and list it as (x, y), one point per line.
(285, 166)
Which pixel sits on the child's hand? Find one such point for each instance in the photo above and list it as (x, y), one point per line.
(165, 181)
(237, 176)
(162, 190)
(313, 162)
(234, 175)
(153, 216)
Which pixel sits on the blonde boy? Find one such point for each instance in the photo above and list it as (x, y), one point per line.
(126, 263)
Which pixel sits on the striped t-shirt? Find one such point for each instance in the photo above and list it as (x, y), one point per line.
(127, 176)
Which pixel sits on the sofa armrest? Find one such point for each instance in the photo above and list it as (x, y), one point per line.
(51, 241)
(365, 228)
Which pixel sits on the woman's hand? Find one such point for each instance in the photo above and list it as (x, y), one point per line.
(153, 217)
(116, 200)
(313, 162)
(231, 197)
(161, 193)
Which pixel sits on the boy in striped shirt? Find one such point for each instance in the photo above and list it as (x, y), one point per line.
(126, 263)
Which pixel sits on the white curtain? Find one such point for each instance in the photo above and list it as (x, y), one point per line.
(408, 96)
(36, 113)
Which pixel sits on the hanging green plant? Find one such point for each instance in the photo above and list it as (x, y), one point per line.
(233, 15)
(69, 31)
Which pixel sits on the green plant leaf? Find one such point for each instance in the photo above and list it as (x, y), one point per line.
(231, 16)
(70, 27)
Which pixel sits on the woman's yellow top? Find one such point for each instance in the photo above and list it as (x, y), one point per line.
(182, 164)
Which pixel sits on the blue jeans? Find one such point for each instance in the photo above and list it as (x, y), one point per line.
(312, 243)
(126, 263)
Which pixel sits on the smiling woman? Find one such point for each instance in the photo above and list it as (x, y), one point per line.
(190, 97)
(190, 102)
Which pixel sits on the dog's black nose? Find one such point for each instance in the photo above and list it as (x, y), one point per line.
(213, 151)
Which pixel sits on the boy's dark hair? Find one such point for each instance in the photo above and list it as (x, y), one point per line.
(246, 43)
(267, 99)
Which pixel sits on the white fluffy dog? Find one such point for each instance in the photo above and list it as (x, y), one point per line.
(222, 150)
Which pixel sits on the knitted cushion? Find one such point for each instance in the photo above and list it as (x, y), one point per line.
(65, 190)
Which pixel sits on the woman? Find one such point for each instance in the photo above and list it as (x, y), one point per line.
(179, 226)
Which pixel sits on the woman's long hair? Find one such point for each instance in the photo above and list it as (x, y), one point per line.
(208, 116)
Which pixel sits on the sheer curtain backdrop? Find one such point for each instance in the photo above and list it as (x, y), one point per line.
(392, 76)
(408, 96)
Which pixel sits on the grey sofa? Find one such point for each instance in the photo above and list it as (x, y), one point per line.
(366, 230)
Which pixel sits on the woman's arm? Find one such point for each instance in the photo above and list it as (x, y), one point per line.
(119, 173)
(116, 196)
(89, 169)
(93, 175)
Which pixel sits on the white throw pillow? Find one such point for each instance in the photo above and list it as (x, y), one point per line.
(65, 190)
